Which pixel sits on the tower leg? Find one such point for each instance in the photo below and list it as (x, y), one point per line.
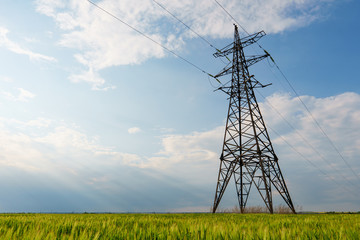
(278, 182)
(225, 172)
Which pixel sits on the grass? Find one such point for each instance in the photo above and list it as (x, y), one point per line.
(179, 226)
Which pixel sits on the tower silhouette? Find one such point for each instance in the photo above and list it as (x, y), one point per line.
(247, 152)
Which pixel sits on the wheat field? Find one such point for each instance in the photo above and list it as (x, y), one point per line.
(180, 226)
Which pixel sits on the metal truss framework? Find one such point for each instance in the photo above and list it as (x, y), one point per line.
(247, 152)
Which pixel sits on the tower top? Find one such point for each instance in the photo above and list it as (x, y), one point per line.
(240, 63)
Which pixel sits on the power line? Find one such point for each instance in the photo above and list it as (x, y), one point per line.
(313, 164)
(232, 18)
(317, 123)
(297, 95)
(151, 39)
(304, 140)
(188, 27)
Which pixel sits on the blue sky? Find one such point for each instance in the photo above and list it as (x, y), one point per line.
(95, 117)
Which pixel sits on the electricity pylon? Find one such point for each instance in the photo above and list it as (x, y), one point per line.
(247, 152)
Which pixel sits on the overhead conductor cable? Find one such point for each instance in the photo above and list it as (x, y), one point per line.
(297, 95)
(151, 39)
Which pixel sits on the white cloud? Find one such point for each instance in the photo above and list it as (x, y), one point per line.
(16, 48)
(45, 145)
(103, 42)
(61, 151)
(39, 123)
(134, 130)
(338, 116)
(190, 158)
(90, 77)
(6, 79)
(195, 148)
(195, 157)
(23, 95)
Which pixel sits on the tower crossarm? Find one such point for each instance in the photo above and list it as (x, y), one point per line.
(224, 72)
(251, 60)
(246, 41)
(229, 49)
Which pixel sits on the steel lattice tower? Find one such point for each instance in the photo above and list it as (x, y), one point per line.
(247, 152)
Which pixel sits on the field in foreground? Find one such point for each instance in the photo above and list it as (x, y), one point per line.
(179, 226)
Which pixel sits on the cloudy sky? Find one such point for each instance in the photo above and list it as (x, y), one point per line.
(96, 117)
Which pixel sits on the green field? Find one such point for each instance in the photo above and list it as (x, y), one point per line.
(179, 226)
